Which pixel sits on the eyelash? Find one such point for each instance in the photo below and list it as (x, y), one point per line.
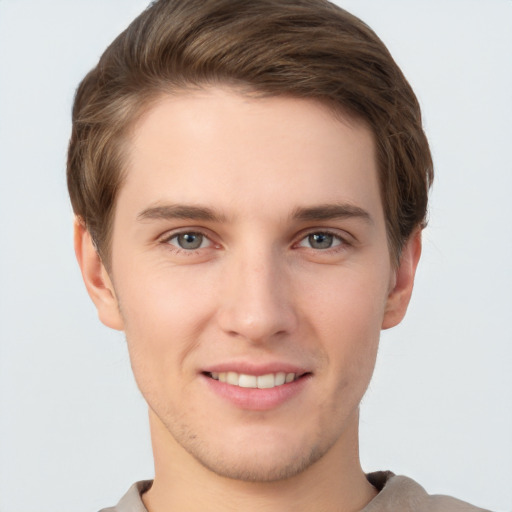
(166, 240)
(341, 242)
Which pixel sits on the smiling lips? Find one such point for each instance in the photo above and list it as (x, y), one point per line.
(243, 380)
(256, 389)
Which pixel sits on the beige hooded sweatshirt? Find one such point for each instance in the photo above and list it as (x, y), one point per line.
(396, 494)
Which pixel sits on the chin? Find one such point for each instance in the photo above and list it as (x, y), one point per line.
(265, 456)
(259, 467)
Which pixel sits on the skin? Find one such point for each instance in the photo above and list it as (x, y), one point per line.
(272, 178)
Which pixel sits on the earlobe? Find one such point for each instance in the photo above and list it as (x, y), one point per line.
(96, 279)
(400, 294)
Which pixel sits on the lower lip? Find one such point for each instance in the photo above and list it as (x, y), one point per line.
(255, 399)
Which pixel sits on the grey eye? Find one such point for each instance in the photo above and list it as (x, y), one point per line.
(189, 241)
(320, 240)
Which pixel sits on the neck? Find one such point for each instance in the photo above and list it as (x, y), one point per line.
(334, 483)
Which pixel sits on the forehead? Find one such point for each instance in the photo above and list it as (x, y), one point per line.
(245, 153)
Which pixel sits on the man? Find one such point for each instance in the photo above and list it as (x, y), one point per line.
(250, 183)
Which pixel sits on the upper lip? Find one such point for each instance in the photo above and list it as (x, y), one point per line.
(250, 368)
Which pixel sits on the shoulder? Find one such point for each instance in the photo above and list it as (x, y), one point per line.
(132, 501)
(400, 493)
(396, 494)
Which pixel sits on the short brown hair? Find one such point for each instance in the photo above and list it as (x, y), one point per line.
(300, 48)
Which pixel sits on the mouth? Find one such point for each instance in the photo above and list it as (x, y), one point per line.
(260, 388)
(267, 381)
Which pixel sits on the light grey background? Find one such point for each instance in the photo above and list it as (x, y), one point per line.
(73, 431)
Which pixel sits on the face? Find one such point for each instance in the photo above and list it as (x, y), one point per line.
(251, 274)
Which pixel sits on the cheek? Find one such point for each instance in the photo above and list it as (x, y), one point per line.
(348, 317)
(166, 300)
(348, 301)
(163, 314)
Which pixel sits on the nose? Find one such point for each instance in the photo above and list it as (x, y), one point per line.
(257, 303)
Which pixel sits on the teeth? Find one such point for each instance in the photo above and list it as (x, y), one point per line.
(232, 378)
(266, 381)
(247, 381)
(280, 378)
(270, 380)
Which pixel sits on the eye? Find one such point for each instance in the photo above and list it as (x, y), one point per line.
(189, 241)
(321, 241)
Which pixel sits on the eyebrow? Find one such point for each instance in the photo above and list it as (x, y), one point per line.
(178, 211)
(330, 212)
(304, 214)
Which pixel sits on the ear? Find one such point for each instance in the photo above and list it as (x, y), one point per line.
(403, 282)
(96, 278)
